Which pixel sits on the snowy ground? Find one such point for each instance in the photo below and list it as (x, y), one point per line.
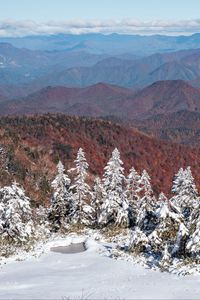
(89, 275)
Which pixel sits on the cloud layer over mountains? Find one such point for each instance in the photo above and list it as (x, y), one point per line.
(130, 26)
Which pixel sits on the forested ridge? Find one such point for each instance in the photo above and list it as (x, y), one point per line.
(32, 146)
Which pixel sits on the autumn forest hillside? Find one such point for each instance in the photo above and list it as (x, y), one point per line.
(31, 147)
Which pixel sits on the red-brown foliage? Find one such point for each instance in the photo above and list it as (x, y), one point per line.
(35, 143)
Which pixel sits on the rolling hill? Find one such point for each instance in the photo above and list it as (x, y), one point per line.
(103, 100)
(165, 97)
(97, 100)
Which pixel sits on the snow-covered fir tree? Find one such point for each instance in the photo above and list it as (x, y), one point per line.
(165, 261)
(82, 210)
(98, 195)
(145, 183)
(133, 185)
(181, 239)
(115, 207)
(162, 198)
(185, 192)
(17, 221)
(168, 220)
(139, 242)
(193, 243)
(146, 205)
(178, 181)
(166, 208)
(41, 221)
(61, 202)
(133, 192)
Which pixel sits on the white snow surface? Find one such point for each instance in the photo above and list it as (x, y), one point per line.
(44, 274)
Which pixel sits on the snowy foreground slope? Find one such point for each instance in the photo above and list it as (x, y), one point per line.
(88, 275)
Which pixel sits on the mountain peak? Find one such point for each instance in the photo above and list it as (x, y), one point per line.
(168, 96)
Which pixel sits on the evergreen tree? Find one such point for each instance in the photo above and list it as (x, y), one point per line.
(139, 242)
(98, 195)
(60, 209)
(162, 198)
(133, 185)
(167, 209)
(165, 261)
(17, 214)
(146, 205)
(193, 244)
(133, 193)
(41, 221)
(82, 211)
(185, 192)
(178, 181)
(115, 208)
(168, 220)
(181, 238)
(145, 183)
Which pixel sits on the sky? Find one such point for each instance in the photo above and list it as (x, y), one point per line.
(20, 17)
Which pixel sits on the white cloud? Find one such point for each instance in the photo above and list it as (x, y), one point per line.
(131, 26)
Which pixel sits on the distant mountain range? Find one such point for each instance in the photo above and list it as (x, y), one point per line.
(137, 73)
(30, 70)
(112, 44)
(21, 66)
(151, 82)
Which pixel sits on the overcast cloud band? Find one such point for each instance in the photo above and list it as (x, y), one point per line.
(128, 26)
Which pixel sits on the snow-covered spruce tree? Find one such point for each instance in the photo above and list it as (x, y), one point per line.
(145, 183)
(133, 193)
(83, 212)
(139, 242)
(166, 208)
(178, 181)
(146, 205)
(181, 239)
(41, 221)
(193, 243)
(115, 207)
(168, 220)
(162, 199)
(133, 185)
(185, 192)
(145, 216)
(61, 206)
(17, 222)
(165, 260)
(98, 195)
